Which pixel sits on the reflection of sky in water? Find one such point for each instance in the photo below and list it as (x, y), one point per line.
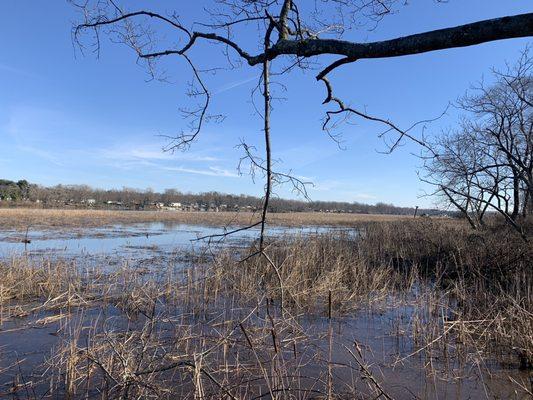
(383, 332)
(128, 239)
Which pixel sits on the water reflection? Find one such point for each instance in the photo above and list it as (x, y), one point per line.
(130, 240)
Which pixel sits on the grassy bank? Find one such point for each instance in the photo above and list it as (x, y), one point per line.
(453, 304)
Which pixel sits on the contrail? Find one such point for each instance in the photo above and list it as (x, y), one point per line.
(233, 85)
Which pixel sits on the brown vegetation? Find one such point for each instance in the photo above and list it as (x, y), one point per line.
(217, 329)
(52, 218)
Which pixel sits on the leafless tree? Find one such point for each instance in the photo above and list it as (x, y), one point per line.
(488, 162)
(290, 34)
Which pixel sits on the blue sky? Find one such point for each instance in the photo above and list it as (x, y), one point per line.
(72, 118)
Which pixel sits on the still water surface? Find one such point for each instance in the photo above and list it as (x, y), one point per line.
(383, 331)
(131, 240)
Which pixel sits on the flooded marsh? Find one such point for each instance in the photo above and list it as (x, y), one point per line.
(146, 310)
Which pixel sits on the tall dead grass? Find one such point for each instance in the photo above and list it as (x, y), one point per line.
(63, 218)
(214, 329)
(312, 269)
(486, 278)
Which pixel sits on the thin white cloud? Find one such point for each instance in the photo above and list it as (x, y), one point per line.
(46, 155)
(17, 71)
(327, 185)
(346, 189)
(233, 85)
(211, 171)
(307, 179)
(28, 124)
(150, 152)
(364, 196)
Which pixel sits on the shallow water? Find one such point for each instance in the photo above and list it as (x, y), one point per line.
(376, 331)
(384, 333)
(130, 240)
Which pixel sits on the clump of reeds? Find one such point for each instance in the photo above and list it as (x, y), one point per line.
(312, 269)
(483, 277)
(25, 280)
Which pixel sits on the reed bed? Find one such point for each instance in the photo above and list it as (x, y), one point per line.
(313, 270)
(20, 218)
(219, 327)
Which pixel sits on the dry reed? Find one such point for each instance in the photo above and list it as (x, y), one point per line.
(214, 329)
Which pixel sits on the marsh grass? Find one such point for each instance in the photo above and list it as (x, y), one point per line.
(20, 218)
(459, 301)
(311, 269)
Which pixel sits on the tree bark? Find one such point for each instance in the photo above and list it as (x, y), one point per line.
(459, 36)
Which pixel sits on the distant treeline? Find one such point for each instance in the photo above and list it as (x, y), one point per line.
(127, 198)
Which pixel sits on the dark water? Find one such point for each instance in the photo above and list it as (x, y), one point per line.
(375, 331)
